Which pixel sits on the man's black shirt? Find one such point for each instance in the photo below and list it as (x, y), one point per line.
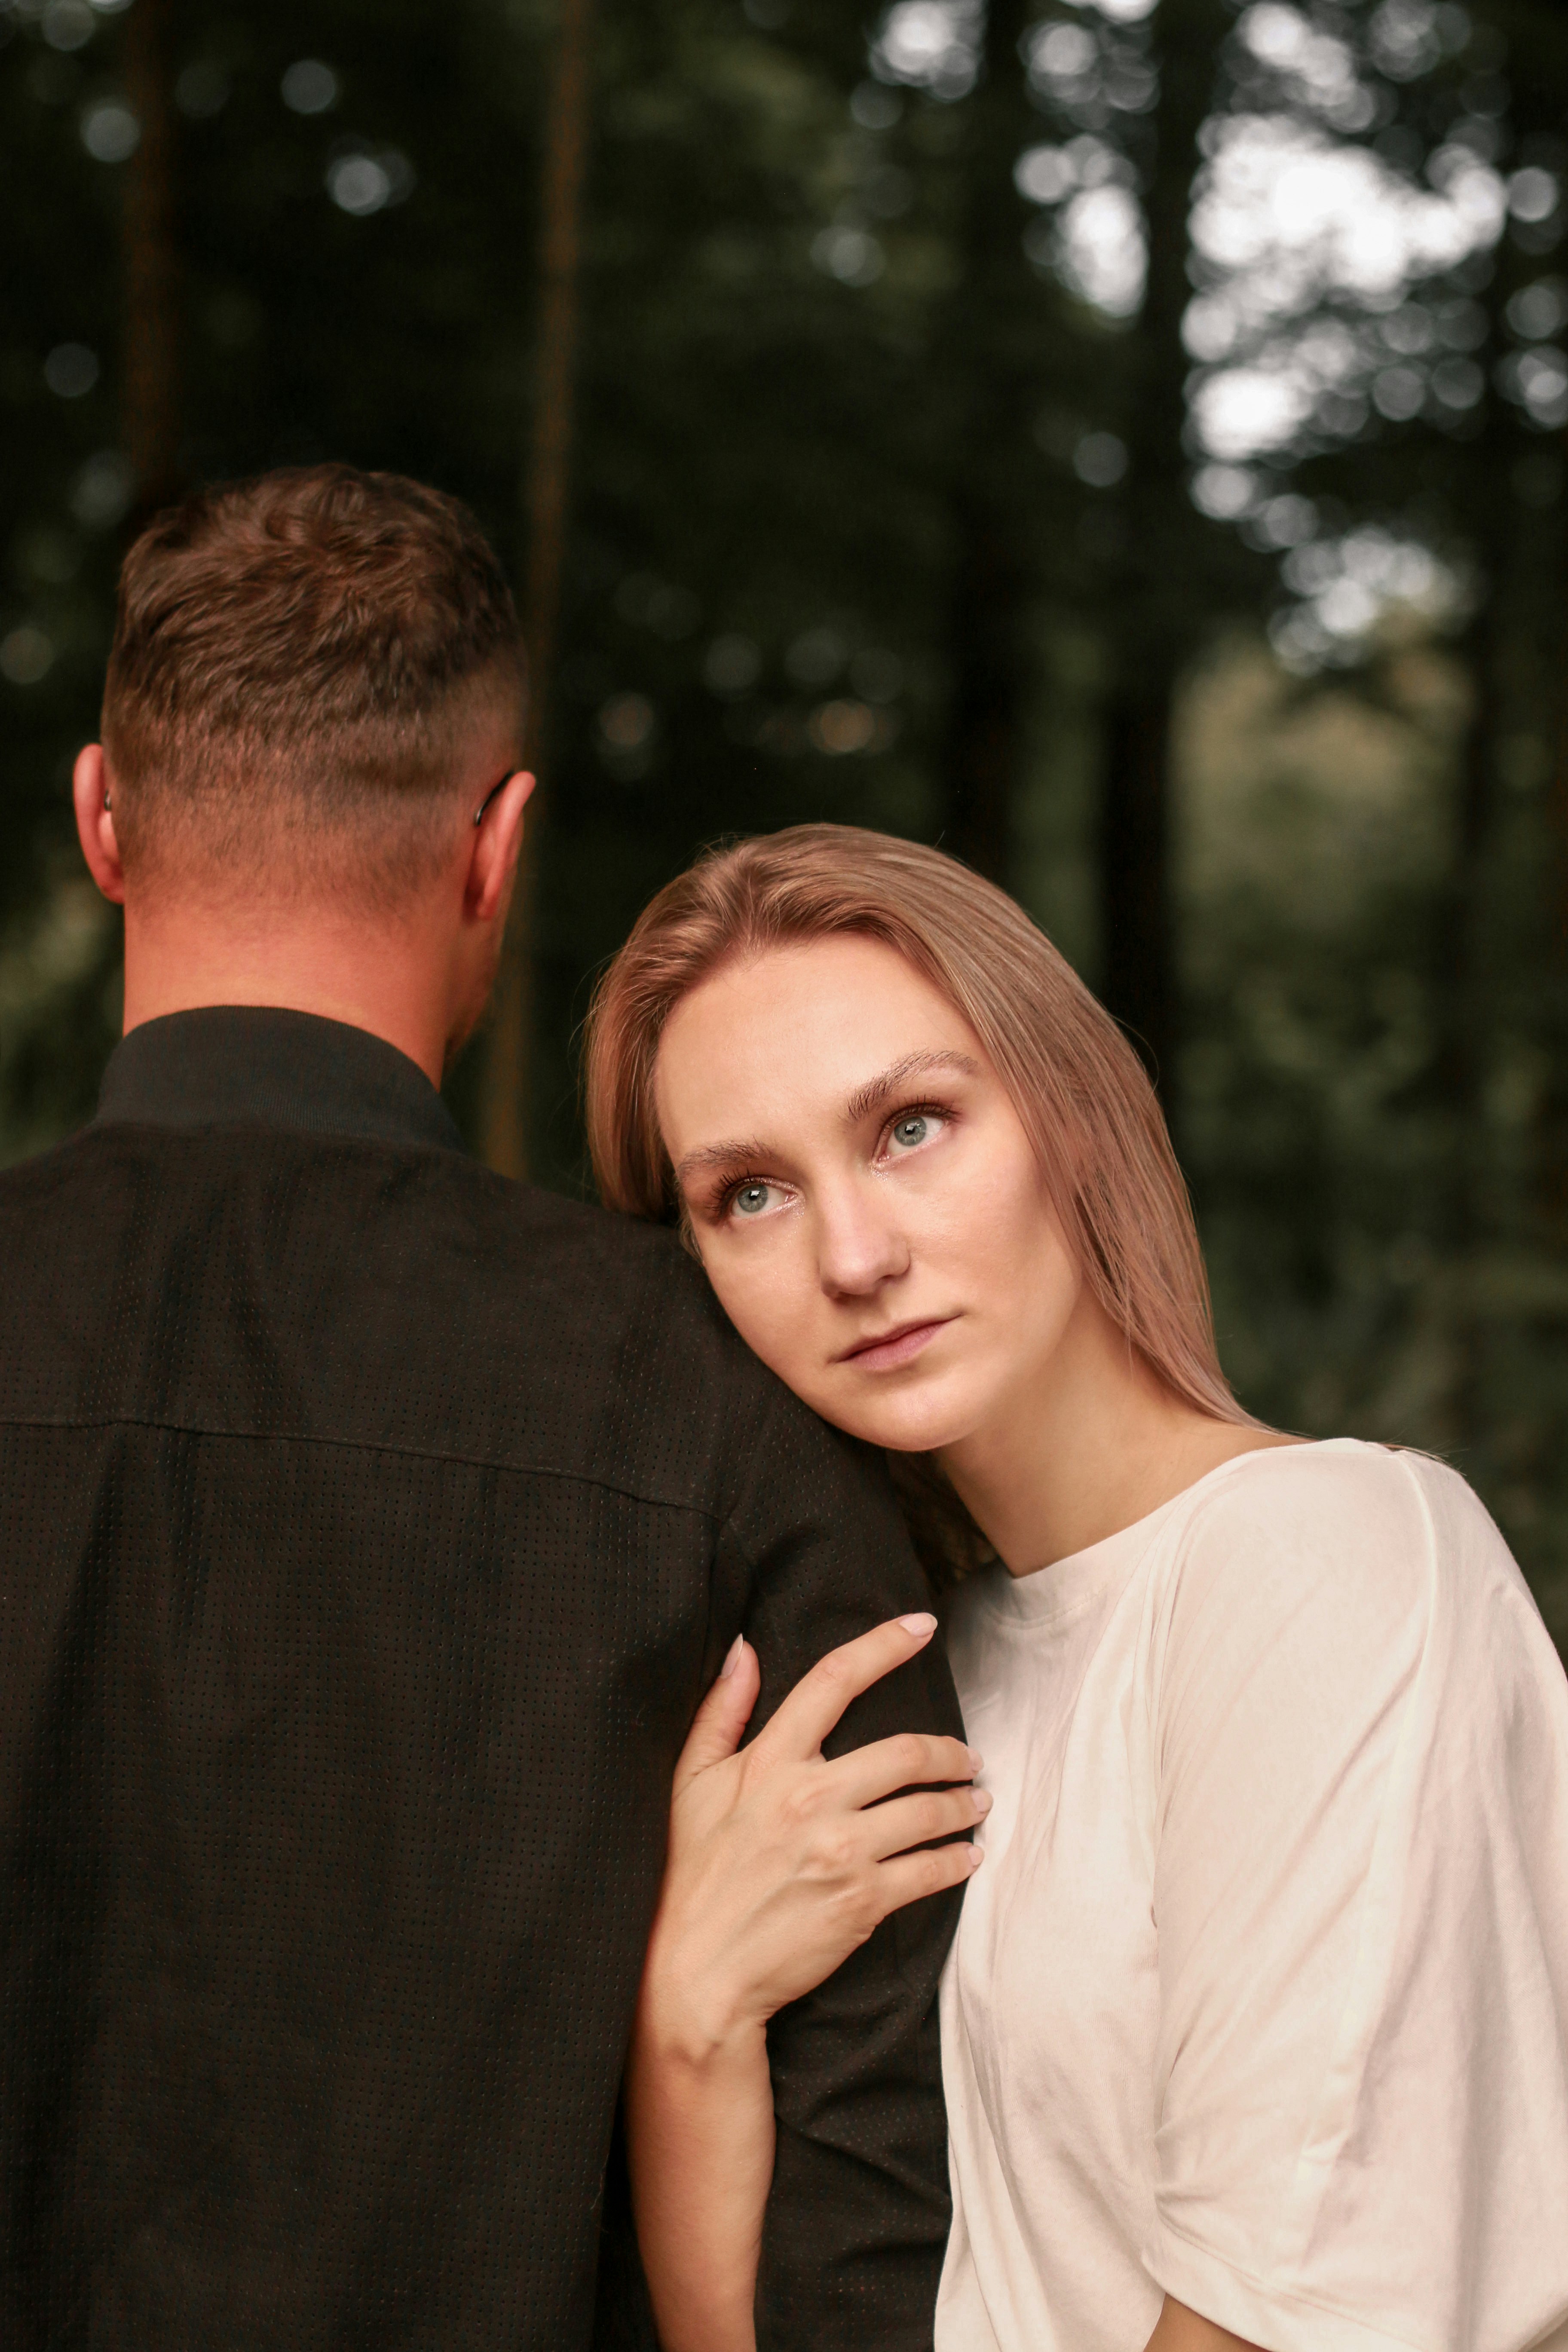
(372, 1527)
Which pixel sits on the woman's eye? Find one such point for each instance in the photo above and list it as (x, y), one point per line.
(915, 1128)
(751, 1199)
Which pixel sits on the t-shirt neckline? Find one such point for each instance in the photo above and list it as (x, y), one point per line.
(1061, 1588)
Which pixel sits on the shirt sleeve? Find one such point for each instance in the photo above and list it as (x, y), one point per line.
(1357, 1774)
(858, 2220)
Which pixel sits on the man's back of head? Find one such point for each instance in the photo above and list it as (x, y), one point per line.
(316, 686)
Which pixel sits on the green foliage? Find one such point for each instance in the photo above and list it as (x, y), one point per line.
(846, 453)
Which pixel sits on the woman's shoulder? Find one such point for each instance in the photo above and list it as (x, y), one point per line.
(1344, 1488)
(1375, 1537)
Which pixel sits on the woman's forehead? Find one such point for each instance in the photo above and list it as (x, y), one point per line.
(808, 1024)
(836, 981)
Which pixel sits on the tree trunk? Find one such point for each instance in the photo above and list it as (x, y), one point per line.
(1560, 775)
(152, 324)
(1138, 963)
(1152, 618)
(1459, 957)
(1459, 981)
(987, 691)
(505, 1103)
(987, 364)
(1554, 1125)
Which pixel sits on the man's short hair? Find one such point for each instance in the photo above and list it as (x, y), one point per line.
(297, 662)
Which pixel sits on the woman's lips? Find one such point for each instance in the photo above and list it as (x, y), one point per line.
(896, 1347)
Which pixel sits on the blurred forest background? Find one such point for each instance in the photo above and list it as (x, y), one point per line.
(1122, 440)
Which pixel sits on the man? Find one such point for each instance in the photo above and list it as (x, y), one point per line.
(372, 1527)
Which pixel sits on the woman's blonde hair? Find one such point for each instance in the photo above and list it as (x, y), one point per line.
(1081, 1091)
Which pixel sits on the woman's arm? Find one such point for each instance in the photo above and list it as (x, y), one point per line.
(699, 2128)
(781, 1862)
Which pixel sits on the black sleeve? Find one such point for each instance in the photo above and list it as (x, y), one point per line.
(816, 1552)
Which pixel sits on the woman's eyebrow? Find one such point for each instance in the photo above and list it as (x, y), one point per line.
(718, 1155)
(858, 1106)
(874, 1092)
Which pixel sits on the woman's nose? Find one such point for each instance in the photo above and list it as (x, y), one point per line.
(857, 1248)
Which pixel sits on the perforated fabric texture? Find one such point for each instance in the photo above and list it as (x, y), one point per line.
(372, 1527)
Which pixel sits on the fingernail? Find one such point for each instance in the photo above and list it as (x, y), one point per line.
(920, 1625)
(983, 1801)
(976, 1761)
(733, 1657)
(976, 1856)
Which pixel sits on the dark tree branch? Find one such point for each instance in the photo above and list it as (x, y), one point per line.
(1155, 599)
(505, 1109)
(151, 322)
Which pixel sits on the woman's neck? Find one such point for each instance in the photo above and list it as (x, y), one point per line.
(1092, 1445)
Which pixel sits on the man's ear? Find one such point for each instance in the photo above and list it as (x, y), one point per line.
(93, 791)
(497, 839)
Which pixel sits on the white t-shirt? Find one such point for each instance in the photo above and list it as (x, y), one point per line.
(1261, 1999)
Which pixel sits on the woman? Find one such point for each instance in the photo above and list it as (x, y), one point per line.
(1255, 2025)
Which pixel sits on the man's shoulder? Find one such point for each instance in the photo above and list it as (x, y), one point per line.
(164, 1176)
(569, 1256)
(409, 1297)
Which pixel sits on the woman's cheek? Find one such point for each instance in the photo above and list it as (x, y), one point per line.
(762, 1302)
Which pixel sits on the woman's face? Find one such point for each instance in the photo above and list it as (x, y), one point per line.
(863, 1194)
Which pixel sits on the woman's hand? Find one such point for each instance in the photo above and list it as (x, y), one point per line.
(779, 1863)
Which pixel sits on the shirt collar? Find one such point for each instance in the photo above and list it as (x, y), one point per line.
(255, 1065)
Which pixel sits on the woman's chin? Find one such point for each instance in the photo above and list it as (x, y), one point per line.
(913, 1419)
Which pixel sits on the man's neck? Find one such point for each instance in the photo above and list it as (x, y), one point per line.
(392, 978)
